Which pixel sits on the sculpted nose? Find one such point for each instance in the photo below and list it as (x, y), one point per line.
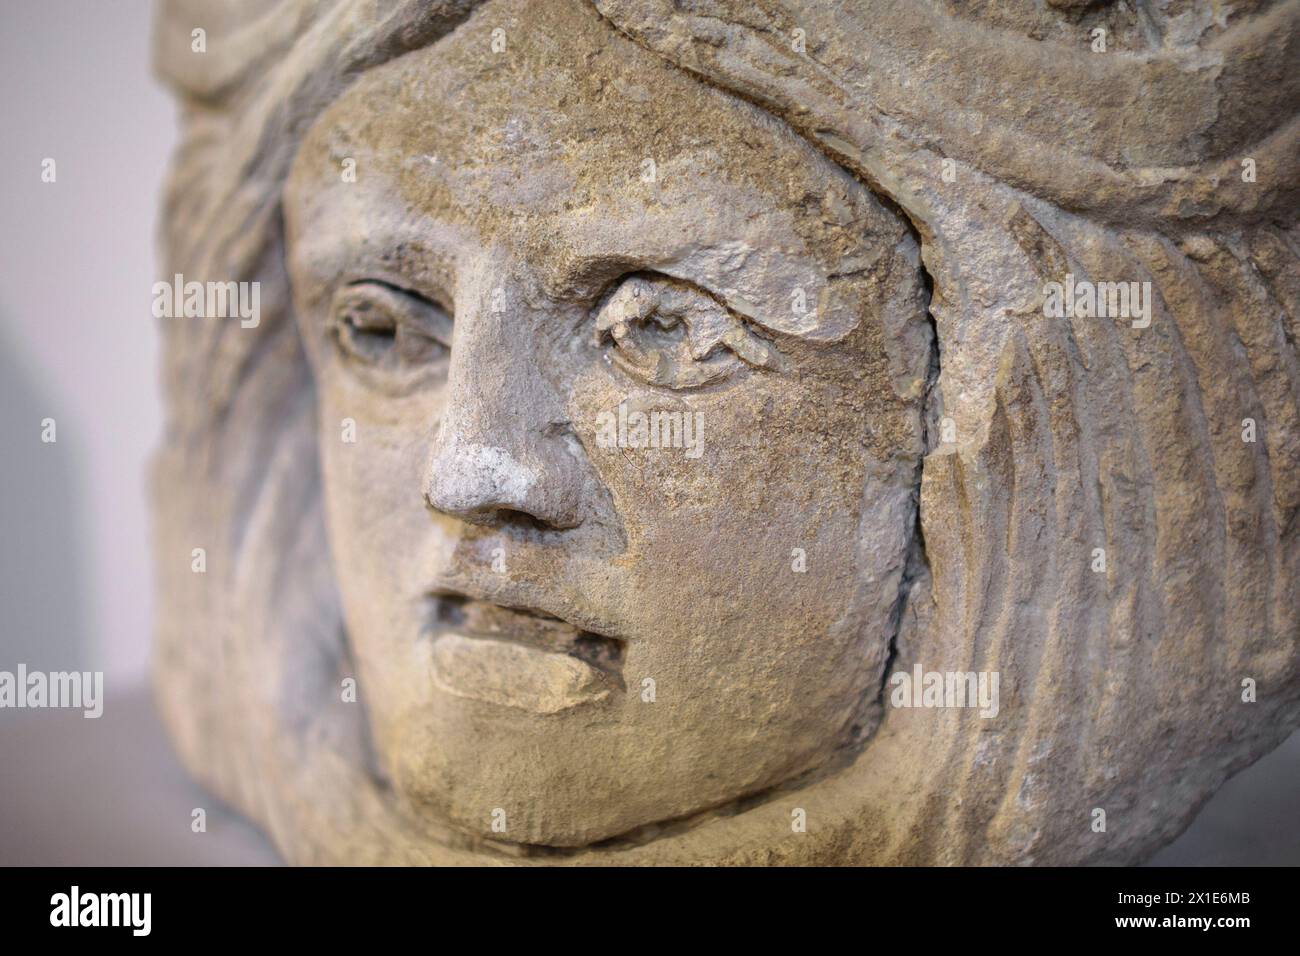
(486, 479)
(503, 448)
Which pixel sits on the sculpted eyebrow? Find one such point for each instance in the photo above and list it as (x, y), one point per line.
(587, 276)
(413, 267)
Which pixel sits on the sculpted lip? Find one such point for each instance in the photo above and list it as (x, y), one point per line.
(520, 658)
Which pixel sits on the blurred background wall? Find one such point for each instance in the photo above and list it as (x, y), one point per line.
(77, 341)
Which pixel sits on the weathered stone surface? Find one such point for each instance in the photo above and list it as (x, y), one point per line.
(826, 236)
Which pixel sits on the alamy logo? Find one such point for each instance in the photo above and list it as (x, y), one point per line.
(946, 689)
(37, 689)
(210, 300)
(102, 909)
(1087, 300)
(654, 429)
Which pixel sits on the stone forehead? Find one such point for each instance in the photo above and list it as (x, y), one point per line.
(576, 111)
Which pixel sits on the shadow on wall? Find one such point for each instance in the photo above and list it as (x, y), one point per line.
(43, 595)
(1250, 821)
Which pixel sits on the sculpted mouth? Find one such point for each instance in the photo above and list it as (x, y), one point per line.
(520, 658)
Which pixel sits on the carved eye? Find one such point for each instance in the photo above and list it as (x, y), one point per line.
(380, 325)
(670, 333)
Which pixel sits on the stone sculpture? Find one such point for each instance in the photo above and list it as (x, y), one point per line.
(662, 419)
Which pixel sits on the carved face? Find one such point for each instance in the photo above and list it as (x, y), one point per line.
(619, 424)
